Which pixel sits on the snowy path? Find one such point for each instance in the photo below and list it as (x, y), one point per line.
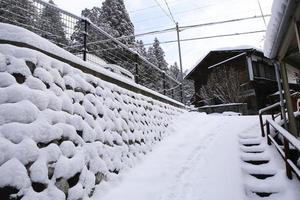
(199, 160)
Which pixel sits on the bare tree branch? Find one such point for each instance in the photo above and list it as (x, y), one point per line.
(223, 84)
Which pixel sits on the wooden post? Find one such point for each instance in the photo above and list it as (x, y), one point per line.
(181, 93)
(287, 95)
(296, 25)
(164, 82)
(286, 157)
(261, 125)
(282, 107)
(85, 34)
(136, 69)
(268, 132)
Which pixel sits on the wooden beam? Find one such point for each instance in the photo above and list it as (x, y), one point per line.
(296, 26)
(287, 95)
(227, 60)
(250, 68)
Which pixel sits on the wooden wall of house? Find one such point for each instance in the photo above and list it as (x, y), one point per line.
(239, 64)
(255, 91)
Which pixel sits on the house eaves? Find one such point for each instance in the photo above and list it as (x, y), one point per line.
(282, 16)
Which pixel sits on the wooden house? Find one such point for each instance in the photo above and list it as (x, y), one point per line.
(257, 78)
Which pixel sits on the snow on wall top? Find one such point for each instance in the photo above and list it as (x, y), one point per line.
(18, 34)
(64, 132)
(278, 9)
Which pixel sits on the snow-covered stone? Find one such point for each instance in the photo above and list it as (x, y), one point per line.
(64, 131)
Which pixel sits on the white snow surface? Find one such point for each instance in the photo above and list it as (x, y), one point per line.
(107, 143)
(278, 9)
(57, 122)
(202, 158)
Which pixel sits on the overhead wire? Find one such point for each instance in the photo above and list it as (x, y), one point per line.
(261, 11)
(222, 22)
(170, 11)
(181, 28)
(180, 12)
(166, 13)
(171, 2)
(149, 7)
(196, 20)
(209, 37)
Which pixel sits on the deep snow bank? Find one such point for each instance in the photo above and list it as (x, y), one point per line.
(63, 132)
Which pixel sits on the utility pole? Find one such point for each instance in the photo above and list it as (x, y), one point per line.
(179, 51)
(180, 61)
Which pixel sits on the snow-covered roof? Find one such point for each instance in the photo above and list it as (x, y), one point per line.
(239, 47)
(279, 12)
(235, 48)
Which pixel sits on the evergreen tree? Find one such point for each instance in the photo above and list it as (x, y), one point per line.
(115, 15)
(159, 55)
(113, 18)
(151, 57)
(140, 48)
(93, 34)
(51, 25)
(188, 89)
(77, 37)
(94, 15)
(20, 13)
(174, 71)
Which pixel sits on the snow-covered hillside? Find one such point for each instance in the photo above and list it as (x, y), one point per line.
(63, 132)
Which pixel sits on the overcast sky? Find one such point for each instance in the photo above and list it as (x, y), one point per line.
(147, 16)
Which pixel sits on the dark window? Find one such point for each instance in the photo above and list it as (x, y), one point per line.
(263, 70)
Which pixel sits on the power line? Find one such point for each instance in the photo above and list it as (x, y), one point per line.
(154, 32)
(182, 28)
(178, 12)
(142, 9)
(170, 2)
(222, 22)
(207, 18)
(163, 10)
(161, 16)
(149, 7)
(209, 37)
(261, 11)
(170, 11)
(171, 29)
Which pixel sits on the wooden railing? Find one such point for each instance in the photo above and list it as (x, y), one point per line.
(270, 110)
(288, 138)
(285, 151)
